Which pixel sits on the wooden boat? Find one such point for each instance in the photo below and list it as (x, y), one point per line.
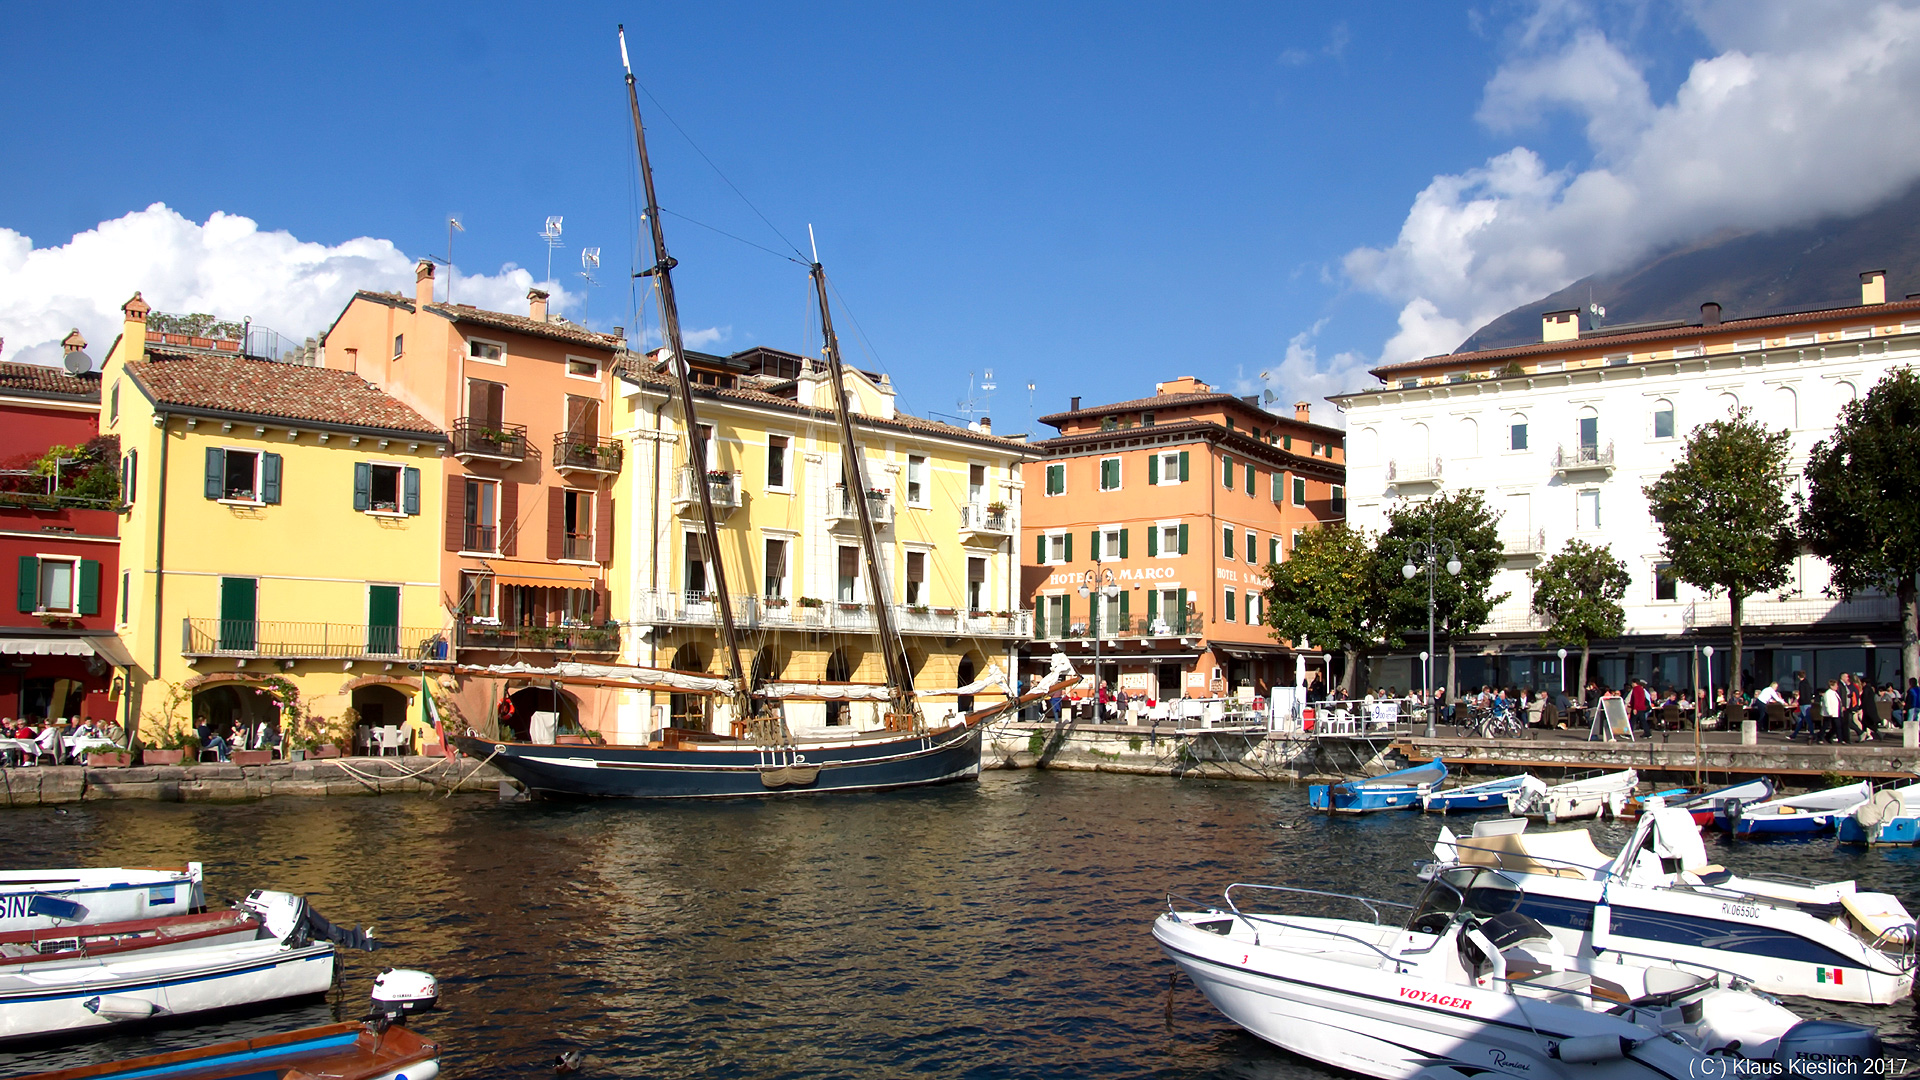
(1587, 797)
(766, 758)
(1485, 795)
(34, 899)
(1397, 790)
(1812, 814)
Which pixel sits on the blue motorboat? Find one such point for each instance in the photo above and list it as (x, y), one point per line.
(1813, 814)
(1891, 816)
(1485, 795)
(1398, 790)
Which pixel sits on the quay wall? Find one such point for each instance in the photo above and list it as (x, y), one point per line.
(1206, 755)
(48, 785)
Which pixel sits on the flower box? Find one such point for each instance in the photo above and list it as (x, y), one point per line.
(162, 757)
(109, 760)
(251, 757)
(324, 750)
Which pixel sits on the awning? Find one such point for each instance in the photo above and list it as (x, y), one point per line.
(543, 575)
(106, 648)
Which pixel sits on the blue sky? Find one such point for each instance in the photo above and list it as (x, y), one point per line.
(1089, 197)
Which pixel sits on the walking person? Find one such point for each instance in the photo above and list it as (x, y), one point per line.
(1640, 706)
(1831, 710)
(1803, 692)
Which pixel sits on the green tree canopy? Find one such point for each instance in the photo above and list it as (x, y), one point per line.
(1861, 511)
(1461, 604)
(1722, 510)
(1578, 593)
(1324, 593)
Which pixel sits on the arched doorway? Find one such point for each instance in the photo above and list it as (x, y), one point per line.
(839, 669)
(690, 710)
(541, 712)
(380, 706)
(770, 663)
(246, 716)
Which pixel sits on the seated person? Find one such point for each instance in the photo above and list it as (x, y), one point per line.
(211, 739)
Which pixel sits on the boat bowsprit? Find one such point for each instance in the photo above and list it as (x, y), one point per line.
(1397, 790)
(39, 899)
(1485, 795)
(1469, 986)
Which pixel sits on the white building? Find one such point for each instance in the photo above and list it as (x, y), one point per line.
(1562, 435)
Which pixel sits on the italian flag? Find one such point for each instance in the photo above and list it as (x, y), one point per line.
(1827, 974)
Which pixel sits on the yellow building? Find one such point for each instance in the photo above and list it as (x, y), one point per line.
(945, 501)
(282, 530)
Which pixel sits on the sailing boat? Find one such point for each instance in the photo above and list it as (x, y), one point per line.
(766, 758)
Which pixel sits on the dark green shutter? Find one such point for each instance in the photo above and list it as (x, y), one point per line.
(1183, 538)
(270, 479)
(1226, 472)
(1068, 539)
(1183, 466)
(1153, 469)
(1180, 617)
(239, 608)
(1273, 549)
(216, 471)
(1039, 548)
(1125, 620)
(1094, 539)
(29, 583)
(410, 481)
(1153, 541)
(1250, 478)
(1123, 542)
(89, 587)
(1226, 542)
(1278, 479)
(383, 619)
(1229, 599)
(362, 485)
(1153, 607)
(1066, 615)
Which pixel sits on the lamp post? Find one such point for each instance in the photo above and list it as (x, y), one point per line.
(1426, 552)
(1098, 585)
(1700, 707)
(1563, 673)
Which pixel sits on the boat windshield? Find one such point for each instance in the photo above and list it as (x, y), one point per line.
(1474, 890)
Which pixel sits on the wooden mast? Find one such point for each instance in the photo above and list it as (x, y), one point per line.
(662, 270)
(904, 711)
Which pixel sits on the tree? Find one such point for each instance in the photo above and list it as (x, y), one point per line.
(1722, 509)
(1860, 512)
(1460, 604)
(1578, 592)
(1325, 593)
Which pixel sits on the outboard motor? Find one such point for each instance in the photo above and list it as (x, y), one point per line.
(284, 914)
(1828, 1048)
(401, 992)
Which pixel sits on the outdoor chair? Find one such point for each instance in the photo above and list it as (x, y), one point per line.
(1777, 718)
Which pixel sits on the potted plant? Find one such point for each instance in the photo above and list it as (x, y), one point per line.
(172, 748)
(108, 759)
(918, 609)
(996, 507)
(809, 602)
(775, 602)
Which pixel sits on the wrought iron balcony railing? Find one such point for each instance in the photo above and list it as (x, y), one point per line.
(586, 453)
(841, 510)
(559, 639)
(310, 640)
(489, 441)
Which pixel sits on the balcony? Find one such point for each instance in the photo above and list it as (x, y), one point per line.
(1181, 624)
(1524, 544)
(842, 512)
(1582, 458)
(586, 454)
(483, 440)
(986, 522)
(576, 547)
(723, 491)
(1523, 621)
(250, 639)
(1415, 471)
(562, 639)
(701, 609)
(1811, 611)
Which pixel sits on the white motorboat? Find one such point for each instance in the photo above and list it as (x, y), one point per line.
(1661, 897)
(37, 899)
(1470, 987)
(1485, 795)
(1587, 797)
(291, 957)
(1812, 814)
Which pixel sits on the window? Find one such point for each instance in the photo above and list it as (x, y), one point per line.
(576, 526)
(1167, 467)
(777, 462)
(129, 476)
(239, 612)
(1293, 543)
(57, 578)
(1253, 548)
(694, 581)
(487, 403)
(1586, 513)
(480, 516)
(1055, 548)
(1665, 585)
(583, 369)
(776, 573)
(977, 483)
(1226, 542)
(917, 479)
(476, 596)
(385, 489)
(916, 577)
(1517, 435)
(1110, 544)
(583, 418)
(849, 577)
(1110, 474)
(126, 595)
(246, 476)
(399, 345)
(1253, 608)
(113, 404)
(1338, 501)
(1589, 433)
(1056, 479)
(1250, 478)
(976, 583)
(1226, 472)
(1229, 606)
(1273, 549)
(1407, 384)
(709, 452)
(487, 352)
(1663, 419)
(1299, 491)
(1146, 418)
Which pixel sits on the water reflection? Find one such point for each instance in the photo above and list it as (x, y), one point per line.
(994, 929)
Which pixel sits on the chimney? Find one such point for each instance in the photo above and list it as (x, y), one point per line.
(74, 342)
(1303, 412)
(620, 333)
(1560, 326)
(1873, 287)
(1709, 314)
(537, 305)
(133, 334)
(423, 282)
(1074, 405)
(1251, 399)
(986, 425)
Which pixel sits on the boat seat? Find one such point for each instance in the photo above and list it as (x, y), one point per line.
(1707, 875)
(1566, 854)
(1879, 914)
(1665, 986)
(1548, 983)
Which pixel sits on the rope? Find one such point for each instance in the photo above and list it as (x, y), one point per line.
(376, 779)
(476, 771)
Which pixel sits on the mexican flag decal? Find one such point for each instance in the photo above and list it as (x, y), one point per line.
(1827, 974)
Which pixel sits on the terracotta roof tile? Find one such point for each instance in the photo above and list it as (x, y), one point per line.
(40, 380)
(558, 331)
(222, 382)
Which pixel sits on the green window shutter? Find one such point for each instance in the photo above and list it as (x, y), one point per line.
(270, 479)
(1183, 466)
(1253, 547)
(1123, 542)
(1229, 605)
(1179, 619)
(216, 471)
(1125, 619)
(1273, 549)
(89, 587)
(1153, 541)
(410, 491)
(362, 485)
(1299, 491)
(1278, 479)
(1250, 479)
(1068, 538)
(1093, 538)
(1153, 607)
(1226, 473)
(1039, 548)
(29, 583)
(1226, 542)
(1066, 615)
(1153, 469)
(1183, 538)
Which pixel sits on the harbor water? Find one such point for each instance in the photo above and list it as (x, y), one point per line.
(997, 929)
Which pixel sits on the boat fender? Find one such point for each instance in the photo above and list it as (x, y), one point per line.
(1588, 1049)
(118, 1008)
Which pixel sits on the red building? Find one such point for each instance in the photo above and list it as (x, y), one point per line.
(59, 541)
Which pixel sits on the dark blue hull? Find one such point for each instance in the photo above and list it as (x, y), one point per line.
(641, 772)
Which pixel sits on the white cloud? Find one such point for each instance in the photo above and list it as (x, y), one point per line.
(1794, 116)
(1300, 375)
(226, 266)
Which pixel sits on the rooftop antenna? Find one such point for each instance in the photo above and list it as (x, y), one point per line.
(1594, 311)
(589, 262)
(453, 226)
(1029, 404)
(551, 234)
(977, 394)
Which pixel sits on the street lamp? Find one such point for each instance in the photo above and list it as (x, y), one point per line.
(1098, 582)
(1699, 709)
(1427, 552)
(1563, 673)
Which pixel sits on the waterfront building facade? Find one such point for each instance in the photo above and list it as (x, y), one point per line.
(278, 535)
(525, 508)
(59, 538)
(945, 502)
(1186, 497)
(1563, 434)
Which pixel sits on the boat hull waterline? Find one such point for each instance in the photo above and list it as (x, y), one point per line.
(348, 1051)
(1401, 789)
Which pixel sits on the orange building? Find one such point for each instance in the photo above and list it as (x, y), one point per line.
(1185, 497)
(529, 514)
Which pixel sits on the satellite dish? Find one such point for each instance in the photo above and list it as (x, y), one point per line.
(77, 362)
(1270, 398)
